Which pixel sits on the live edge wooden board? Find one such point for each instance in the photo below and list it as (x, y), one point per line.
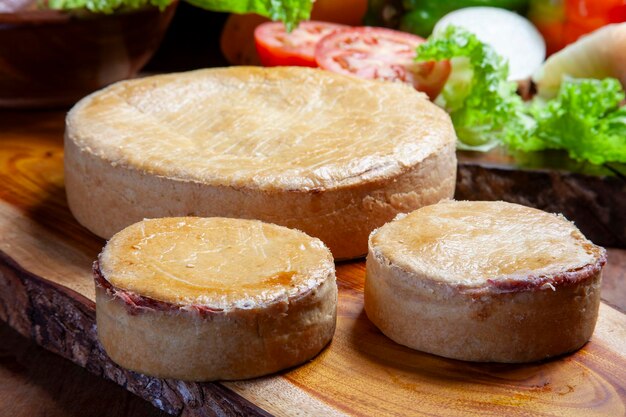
(46, 293)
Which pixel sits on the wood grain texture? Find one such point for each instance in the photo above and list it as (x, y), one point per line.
(46, 293)
(614, 281)
(35, 382)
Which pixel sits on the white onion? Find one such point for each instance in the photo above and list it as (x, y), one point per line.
(511, 35)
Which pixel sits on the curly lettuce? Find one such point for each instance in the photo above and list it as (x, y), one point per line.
(585, 119)
(105, 6)
(291, 12)
(483, 105)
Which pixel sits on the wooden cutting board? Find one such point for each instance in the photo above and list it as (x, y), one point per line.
(46, 293)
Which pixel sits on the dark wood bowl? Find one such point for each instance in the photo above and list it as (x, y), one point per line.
(51, 58)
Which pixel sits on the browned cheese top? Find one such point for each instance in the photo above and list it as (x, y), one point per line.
(215, 262)
(265, 128)
(467, 243)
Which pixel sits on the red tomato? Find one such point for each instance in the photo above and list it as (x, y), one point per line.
(384, 54)
(277, 47)
(237, 40)
(617, 14)
(347, 12)
(552, 32)
(565, 21)
(592, 8)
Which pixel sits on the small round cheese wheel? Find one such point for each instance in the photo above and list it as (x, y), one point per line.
(213, 298)
(484, 281)
(328, 154)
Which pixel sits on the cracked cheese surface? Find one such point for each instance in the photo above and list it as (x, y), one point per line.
(467, 243)
(266, 128)
(214, 262)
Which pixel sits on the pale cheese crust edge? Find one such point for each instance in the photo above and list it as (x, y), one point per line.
(105, 198)
(201, 344)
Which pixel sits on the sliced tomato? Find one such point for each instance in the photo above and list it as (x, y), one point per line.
(277, 47)
(384, 54)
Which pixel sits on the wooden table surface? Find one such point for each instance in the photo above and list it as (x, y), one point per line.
(34, 382)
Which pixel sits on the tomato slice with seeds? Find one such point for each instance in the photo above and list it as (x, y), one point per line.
(277, 47)
(383, 54)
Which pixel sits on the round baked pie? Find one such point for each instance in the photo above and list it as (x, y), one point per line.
(213, 298)
(328, 154)
(484, 281)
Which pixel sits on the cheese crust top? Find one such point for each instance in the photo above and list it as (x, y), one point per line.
(468, 243)
(215, 262)
(285, 128)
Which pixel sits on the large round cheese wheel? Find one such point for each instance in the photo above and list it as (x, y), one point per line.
(484, 281)
(213, 298)
(331, 155)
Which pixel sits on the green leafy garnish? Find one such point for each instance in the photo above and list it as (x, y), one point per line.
(585, 119)
(291, 12)
(483, 105)
(105, 6)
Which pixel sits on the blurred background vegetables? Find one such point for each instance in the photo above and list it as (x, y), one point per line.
(346, 12)
(291, 12)
(421, 16)
(580, 107)
(585, 119)
(561, 22)
(599, 55)
(237, 40)
(381, 54)
(50, 58)
(481, 101)
(564, 21)
(277, 47)
(512, 36)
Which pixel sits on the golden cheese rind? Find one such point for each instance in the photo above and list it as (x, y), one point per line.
(484, 281)
(214, 262)
(213, 298)
(299, 147)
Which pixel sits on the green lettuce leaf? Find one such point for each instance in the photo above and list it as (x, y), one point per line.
(291, 12)
(105, 6)
(483, 105)
(585, 119)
